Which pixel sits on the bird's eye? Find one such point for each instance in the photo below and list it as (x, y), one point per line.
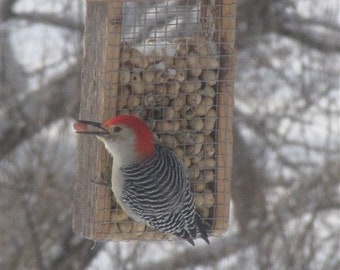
(117, 129)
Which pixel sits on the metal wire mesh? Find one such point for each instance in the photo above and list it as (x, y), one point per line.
(172, 64)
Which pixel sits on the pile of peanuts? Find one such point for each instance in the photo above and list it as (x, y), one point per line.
(172, 85)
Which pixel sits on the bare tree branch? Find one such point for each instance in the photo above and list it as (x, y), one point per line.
(6, 7)
(71, 247)
(261, 17)
(301, 30)
(25, 117)
(248, 183)
(35, 243)
(307, 30)
(220, 248)
(51, 19)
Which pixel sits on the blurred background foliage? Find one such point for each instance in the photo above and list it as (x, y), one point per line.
(285, 185)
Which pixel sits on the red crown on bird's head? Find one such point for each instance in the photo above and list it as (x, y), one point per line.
(144, 137)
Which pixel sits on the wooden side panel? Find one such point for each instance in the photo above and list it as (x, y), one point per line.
(225, 36)
(91, 103)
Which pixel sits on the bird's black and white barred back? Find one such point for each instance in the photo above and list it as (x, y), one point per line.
(157, 190)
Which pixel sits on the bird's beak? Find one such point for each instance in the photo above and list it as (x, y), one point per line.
(81, 127)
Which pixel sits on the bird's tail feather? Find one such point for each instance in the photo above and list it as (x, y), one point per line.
(201, 228)
(185, 235)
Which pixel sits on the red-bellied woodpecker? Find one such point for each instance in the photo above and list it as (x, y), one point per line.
(148, 181)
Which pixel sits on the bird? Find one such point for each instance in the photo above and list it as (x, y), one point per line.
(148, 181)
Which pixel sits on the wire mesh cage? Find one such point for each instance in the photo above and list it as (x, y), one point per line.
(171, 63)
